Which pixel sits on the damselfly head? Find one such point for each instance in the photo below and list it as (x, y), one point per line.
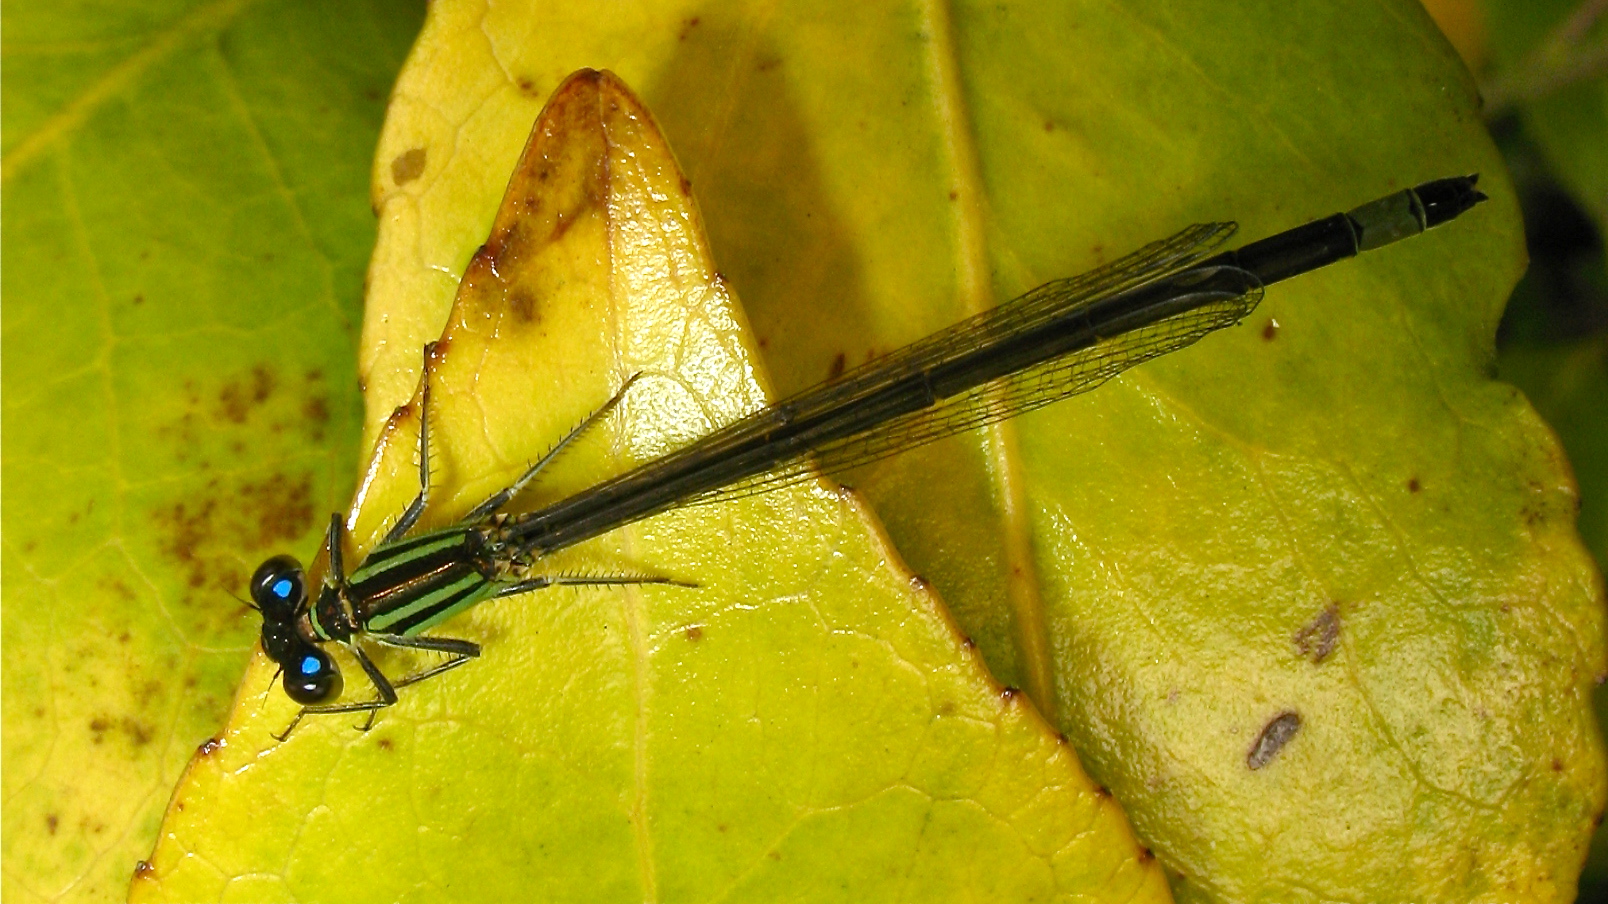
(279, 588)
(310, 676)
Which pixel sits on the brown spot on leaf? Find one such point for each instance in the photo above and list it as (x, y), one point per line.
(1146, 855)
(204, 533)
(527, 86)
(116, 587)
(1274, 736)
(694, 633)
(1317, 639)
(209, 746)
(315, 412)
(383, 743)
(1009, 693)
(137, 731)
(408, 165)
(1270, 330)
(1413, 485)
(143, 870)
(522, 304)
(51, 822)
(139, 299)
(839, 364)
(239, 396)
(687, 25)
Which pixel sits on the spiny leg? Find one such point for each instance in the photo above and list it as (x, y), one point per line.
(502, 497)
(539, 583)
(410, 515)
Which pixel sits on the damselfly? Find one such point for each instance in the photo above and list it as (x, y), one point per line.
(1061, 339)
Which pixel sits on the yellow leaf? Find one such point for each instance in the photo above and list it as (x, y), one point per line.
(804, 723)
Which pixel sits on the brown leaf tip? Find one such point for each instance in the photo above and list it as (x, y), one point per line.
(1274, 736)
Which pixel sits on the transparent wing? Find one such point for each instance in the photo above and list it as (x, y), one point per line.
(1002, 399)
(987, 368)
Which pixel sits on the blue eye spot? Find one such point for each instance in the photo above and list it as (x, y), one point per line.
(282, 588)
(310, 665)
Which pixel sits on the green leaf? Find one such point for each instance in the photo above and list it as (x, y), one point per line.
(805, 721)
(185, 229)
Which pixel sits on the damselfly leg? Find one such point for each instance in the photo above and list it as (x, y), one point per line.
(408, 583)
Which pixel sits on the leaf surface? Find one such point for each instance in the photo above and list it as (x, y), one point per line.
(1153, 561)
(185, 228)
(804, 722)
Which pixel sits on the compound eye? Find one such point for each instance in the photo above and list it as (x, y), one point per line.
(278, 588)
(310, 676)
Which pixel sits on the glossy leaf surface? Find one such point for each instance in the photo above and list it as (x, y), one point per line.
(803, 722)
